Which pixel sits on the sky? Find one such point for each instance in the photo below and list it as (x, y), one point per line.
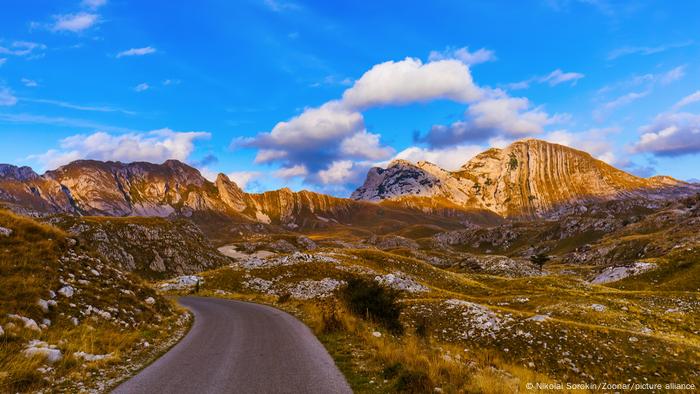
(310, 95)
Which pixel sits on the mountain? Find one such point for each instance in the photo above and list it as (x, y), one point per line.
(174, 189)
(528, 178)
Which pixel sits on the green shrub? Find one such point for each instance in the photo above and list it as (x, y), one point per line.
(372, 301)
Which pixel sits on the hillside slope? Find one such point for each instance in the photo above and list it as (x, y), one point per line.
(70, 321)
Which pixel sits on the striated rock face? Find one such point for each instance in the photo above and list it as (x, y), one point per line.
(528, 178)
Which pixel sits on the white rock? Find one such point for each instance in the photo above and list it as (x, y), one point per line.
(46, 322)
(598, 307)
(42, 349)
(74, 320)
(5, 231)
(44, 305)
(539, 318)
(91, 357)
(633, 339)
(400, 281)
(52, 294)
(377, 334)
(150, 301)
(613, 274)
(66, 291)
(2, 332)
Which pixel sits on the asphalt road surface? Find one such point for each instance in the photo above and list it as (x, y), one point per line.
(240, 347)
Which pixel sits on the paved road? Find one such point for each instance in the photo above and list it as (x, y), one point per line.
(239, 347)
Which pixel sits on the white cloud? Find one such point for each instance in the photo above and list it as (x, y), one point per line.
(30, 83)
(21, 48)
(670, 134)
(243, 178)
(142, 87)
(315, 126)
(365, 145)
(672, 75)
(75, 22)
(645, 50)
(155, 146)
(463, 54)
(93, 4)
(7, 98)
(606, 108)
(269, 155)
(557, 76)
(687, 100)
(450, 158)
(291, 172)
(339, 172)
(64, 104)
(554, 78)
(410, 81)
(510, 115)
(137, 52)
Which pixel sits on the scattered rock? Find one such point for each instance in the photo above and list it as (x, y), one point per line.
(37, 348)
(44, 305)
(400, 281)
(66, 291)
(377, 334)
(91, 357)
(5, 231)
(539, 318)
(613, 274)
(150, 301)
(598, 307)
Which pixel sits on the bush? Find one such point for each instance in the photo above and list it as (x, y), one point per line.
(372, 301)
(413, 382)
(331, 321)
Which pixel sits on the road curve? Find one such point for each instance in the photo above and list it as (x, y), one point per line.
(240, 347)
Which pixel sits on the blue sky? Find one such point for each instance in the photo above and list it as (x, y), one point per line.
(311, 94)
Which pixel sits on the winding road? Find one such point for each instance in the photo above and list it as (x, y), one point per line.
(240, 347)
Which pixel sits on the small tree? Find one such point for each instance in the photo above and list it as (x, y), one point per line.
(539, 260)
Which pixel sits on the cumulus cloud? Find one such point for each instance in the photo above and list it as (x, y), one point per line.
(7, 98)
(333, 146)
(365, 145)
(410, 81)
(688, 100)
(450, 158)
(463, 54)
(342, 172)
(137, 52)
(298, 170)
(670, 134)
(75, 23)
(155, 146)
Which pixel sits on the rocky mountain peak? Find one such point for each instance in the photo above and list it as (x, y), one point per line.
(8, 171)
(529, 177)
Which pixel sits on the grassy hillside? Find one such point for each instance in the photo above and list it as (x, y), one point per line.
(69, 321)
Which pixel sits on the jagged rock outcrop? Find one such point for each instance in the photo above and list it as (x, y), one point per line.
(171, 189)
(528, 178)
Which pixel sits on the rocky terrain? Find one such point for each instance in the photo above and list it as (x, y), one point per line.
(528, 178)
(72, 321)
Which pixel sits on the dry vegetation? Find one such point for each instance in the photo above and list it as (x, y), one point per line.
(96, 334)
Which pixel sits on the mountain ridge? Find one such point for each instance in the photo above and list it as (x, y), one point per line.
(528, 178)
